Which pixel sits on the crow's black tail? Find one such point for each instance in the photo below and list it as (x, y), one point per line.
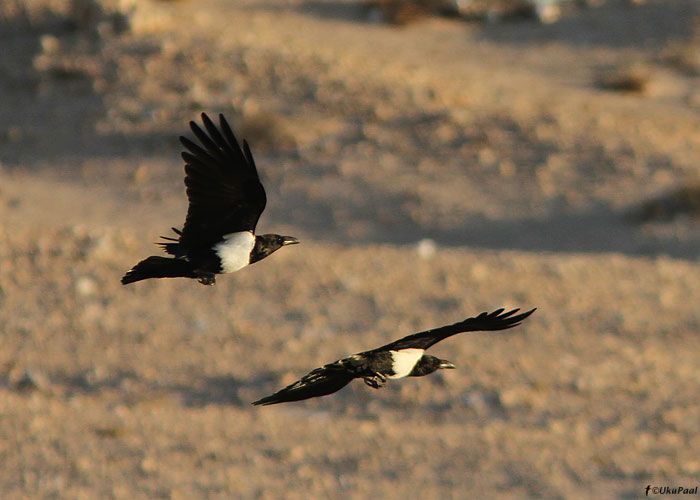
(159, 267)
(173, 245)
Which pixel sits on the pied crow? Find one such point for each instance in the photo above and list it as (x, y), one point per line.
(402, 358)
(226, 199)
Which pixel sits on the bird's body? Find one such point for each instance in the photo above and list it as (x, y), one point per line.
(226, 200)
(234, 252)
(403, 362)
(403, 358)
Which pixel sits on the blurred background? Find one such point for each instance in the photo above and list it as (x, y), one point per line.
(438, 159)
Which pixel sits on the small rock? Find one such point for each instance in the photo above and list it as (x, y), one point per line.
(30, 381)
(86, 286)
(426, 248)
(50, 44)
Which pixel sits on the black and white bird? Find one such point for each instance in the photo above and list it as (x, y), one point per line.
(226, 199)
(403, 358)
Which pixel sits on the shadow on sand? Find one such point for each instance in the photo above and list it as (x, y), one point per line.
(50, 118)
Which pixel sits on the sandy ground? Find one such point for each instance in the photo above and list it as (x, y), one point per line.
(496, 142)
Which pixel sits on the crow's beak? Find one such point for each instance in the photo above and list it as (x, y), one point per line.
(289, 240)
(446, 364)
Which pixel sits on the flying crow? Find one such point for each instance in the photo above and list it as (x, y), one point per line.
(226, 199)
(403, 358)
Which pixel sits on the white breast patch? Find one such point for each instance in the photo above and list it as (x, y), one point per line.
(404, 361)
(234, 251)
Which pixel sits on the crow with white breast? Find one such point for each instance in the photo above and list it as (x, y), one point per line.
(402, 358)
(226, 200)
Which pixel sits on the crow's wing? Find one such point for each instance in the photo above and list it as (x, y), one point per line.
(320, 382)
(223, 188)
(496, 320)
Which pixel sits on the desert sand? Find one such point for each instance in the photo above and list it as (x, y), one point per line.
(433, 171)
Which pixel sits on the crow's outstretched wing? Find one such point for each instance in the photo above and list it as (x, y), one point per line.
(320, 382)
(496, 320)
(223, 188)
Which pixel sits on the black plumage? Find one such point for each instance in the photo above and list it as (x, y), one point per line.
(402, 358)
(226, 200)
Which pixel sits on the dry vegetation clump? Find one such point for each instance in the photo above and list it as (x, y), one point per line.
(266, 130)
(681, 201)
(68, 36)
(545, 12)
(632, 78)
(80, 15)
(401, 12)
(684, 55)
(406, 11)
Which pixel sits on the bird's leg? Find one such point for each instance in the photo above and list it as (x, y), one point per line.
(377, 380)
(206, 278)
